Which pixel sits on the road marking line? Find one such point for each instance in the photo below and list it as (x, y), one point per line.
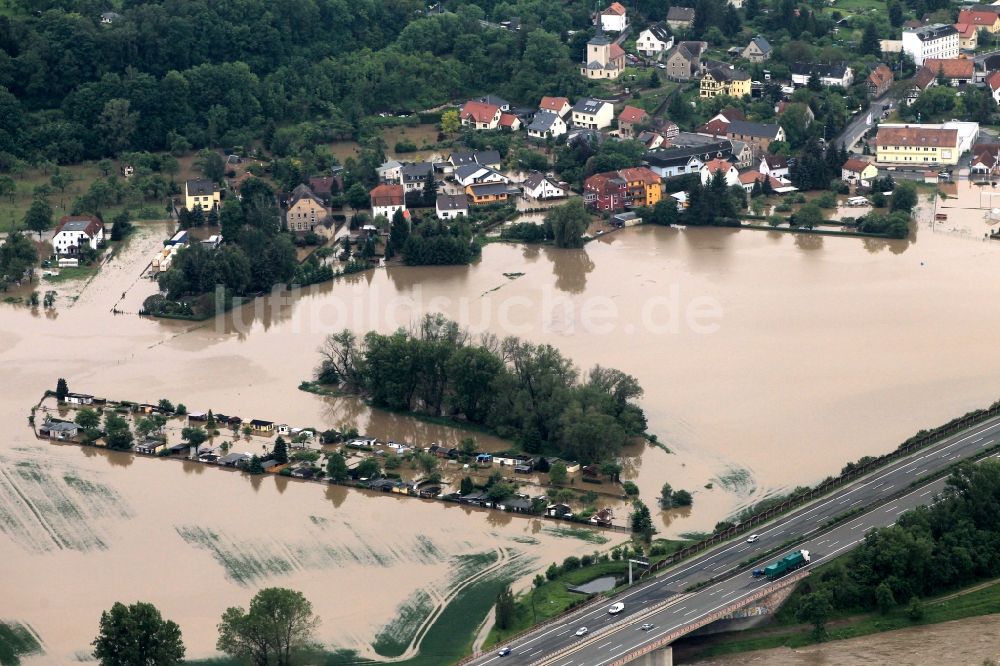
(927, 493)
(617, 646)
(834, 543)
(605, 645)
(891, 508)
(729, 593)
(857, 524)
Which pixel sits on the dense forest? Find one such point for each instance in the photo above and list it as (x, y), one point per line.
(929, 551)
(530, 393)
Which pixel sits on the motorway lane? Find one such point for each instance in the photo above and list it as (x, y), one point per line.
(726, 558)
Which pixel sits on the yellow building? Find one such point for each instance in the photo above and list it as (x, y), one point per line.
(487, 193)
(915, 144)
(724, 80)
(643, 186)
(201, 193)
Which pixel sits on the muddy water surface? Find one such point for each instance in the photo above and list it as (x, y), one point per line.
(768, 361)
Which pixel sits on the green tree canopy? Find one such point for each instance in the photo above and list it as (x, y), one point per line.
(279, 623)
(137, 634)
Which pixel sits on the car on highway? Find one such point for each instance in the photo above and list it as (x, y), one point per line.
(582, 631)
(503, 652)
(646, 627)
(753, 538)
(614, 609)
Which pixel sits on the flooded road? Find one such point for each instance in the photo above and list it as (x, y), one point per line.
(768, 361)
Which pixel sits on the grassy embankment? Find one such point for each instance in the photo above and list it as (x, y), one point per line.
(980, 599)
(553, 597)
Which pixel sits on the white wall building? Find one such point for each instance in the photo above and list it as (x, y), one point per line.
(77, 231)
(931, 41)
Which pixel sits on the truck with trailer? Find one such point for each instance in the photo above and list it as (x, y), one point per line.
(789, 562)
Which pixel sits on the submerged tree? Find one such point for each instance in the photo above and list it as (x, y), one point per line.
(137, 635)
(279, 623)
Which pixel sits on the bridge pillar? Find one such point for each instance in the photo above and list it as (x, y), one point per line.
(662, 657)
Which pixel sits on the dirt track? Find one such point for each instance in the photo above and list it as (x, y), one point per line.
(965, 642)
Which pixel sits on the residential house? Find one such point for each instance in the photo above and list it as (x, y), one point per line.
(387, 199)
(305, 210)
(924, 79)
(679, 160)
(643, 186)
(758, 135)
(324, 187)
(604, 59)
(727, 168)
(651, 139)
(750, 178)
(742, 155)
(931, 41)
(150, 446)
(201, 193)
(234, 459)
(605, 191)
(628, 119)
(858, 172)
(912, 144)
(982, 18)
(487, 158)
(260, 426)
(968, 36)
(723, 79)
(539, 186)
(497, 101)
(774, 165)
(602, 518)
(107, 18)
(654, 40)
(558, 511)
(828, 75)
(985, 158)
(684, 60)
(592, 114)
(390, 172)
(487, 193)
(546, 124)
(614, 18)
(668, 129)
(879, 81)
(75, 232)
(510, 121)
(79, 399)
(958, 72)
(559, 105)
(993, 85)
(471, 174)
(758, 50)
(451, 206)
(680, 18)
(414, 176)
(479, 115)
(59, 430)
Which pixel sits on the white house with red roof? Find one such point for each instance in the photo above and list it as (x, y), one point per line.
(480, 115)
(386, 199)
(748, 178)
(510, 122)
(993, 83)
(614, 18)
(558, 105)
(727, 168)
(75, 232)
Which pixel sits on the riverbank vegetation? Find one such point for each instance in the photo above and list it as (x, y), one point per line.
(530, 393)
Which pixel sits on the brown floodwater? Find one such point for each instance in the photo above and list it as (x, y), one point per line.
(768, 361)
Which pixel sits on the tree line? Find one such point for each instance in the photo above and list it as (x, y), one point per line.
(530, 393)
(930, 550)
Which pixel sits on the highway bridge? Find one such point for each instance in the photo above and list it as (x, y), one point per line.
(727, 582)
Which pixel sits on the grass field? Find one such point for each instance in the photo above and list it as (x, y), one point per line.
(973, 601)
(67, 274)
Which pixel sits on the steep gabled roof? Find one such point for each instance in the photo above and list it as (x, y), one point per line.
(387, 195)
(748, 128)
(88, 224)
(993, 81)
(479, 112)
(762, 44)
(303, 192)
(931, 137)
(661, 31)
(614, 9)
(543, 121)
(950, 68)
(977, 17)
(631, 114)
(855, 165)
(718, 165)
(680, 14)
(554, 104)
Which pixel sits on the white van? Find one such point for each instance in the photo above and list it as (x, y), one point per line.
(616, 608)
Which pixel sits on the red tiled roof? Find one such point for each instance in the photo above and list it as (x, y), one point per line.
(631, 114)
(951, 68)
(616, 51)
(924, 78)
(880, 75)
(917, 136)
(715, 128)
(993, 80)
(555, 104)
(604, 183)
(718, 165)
(615, 8)
(507, 119)
(977, 17)
(748, 177)
(387, 195)
(642, 174)
(732, 113)
(480, 112)
(854, 165)
(965, 30)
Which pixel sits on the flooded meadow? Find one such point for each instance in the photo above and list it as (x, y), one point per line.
(768, 360)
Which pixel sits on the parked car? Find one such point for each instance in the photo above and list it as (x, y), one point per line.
(646, 627)
(753, 538)
(582, 631)
(503, 652)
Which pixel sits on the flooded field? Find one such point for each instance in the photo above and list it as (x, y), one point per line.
(421, 135)
(768, 360)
